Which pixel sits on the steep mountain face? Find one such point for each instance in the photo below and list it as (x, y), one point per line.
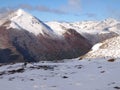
(107, 48)
(25, 38)
(8, 52)
(94, 31)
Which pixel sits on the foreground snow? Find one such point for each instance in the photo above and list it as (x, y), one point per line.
(96, 74)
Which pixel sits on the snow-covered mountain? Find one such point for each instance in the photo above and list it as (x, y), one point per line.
(24, 37)
(103, 35)
(23, 20)
(94, 31)
(108, 48)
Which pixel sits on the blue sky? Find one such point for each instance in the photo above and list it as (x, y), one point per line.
(66, 10)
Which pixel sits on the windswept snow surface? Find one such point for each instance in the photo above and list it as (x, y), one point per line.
(74, 74)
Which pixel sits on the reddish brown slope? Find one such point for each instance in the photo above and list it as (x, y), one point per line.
(8, 52)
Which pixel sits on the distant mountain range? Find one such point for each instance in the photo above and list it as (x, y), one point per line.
(94, 31)
(24, 37)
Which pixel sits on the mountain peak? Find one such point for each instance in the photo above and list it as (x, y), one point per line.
(22, 20)
(20, 12)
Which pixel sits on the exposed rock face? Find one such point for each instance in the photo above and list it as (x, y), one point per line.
(8, 52)
(18, 44)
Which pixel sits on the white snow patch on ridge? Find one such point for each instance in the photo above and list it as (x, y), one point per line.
(57, 27)
(96, 46)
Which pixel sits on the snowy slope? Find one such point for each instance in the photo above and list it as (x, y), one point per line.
(67, 75)
(23, 20)
(108, 48)
(57, 27)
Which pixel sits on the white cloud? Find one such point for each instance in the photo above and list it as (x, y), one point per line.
(72, 6)
(74, 3)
